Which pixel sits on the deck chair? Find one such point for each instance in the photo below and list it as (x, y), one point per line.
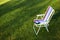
(44, 22)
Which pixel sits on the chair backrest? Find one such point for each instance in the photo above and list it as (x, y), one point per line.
(49, 14)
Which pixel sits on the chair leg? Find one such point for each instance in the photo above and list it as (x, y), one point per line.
(34, 29)
(36, 32)
(46, 26)
(47, 29)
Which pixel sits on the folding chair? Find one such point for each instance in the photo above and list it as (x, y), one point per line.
(44, 22)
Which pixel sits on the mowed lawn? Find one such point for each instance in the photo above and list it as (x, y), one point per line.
(16, 20)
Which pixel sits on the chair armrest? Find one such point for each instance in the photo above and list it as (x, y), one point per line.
(41, 15)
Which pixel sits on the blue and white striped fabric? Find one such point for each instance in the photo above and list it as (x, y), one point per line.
(48, 13)
(47, 16)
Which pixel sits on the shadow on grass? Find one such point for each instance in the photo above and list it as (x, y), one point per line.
(7, 7)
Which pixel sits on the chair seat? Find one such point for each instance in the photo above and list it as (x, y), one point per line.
(38, 21)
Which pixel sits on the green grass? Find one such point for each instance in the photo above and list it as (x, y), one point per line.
(16, 20)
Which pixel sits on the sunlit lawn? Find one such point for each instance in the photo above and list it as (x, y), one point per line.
(3, 1)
